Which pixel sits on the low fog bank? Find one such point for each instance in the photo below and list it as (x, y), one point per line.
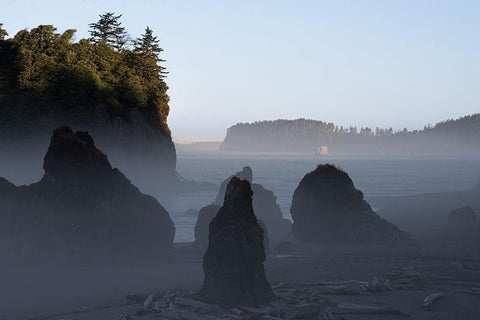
(51, 287)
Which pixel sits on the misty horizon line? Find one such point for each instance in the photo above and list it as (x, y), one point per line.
(212, 138)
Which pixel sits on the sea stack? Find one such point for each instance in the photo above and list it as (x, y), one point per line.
(233, 262)
(81, 209)
(264, 203)
(245, 174)
(327, 208)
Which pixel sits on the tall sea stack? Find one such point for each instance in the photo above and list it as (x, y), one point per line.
(233, 262)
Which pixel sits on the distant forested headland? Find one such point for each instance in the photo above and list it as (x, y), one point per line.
(108, 84)
(460, 136)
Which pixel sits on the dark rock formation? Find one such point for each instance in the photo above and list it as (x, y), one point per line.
(326, 207)
(245, 174)
(463, 218)
(81, 207)
(206, 215)
(264, 201)
(233, 262)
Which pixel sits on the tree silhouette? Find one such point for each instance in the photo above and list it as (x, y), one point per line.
(147, 46)
(108, 30)
(3, 32)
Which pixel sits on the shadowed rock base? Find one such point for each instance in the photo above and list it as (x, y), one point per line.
(326, 207)
(233, 262)
(82, 210)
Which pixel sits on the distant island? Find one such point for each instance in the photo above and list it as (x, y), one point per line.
(450, 137)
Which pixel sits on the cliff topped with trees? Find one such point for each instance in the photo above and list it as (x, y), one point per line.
(108, 85)
(460, 136)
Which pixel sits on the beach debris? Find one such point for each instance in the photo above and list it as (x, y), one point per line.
(404, 280)
(472, 291)
(455, 282)
(395, 280)
(350, 308)
(471, 266)
(304, 300)
(430, 299)
(136, 297)
(303, 311)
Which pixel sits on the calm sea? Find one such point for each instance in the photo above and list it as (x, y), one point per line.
(282, 173)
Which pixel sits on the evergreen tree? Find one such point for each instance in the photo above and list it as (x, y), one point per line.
(3, 32)
(149, 49)
(108, 30)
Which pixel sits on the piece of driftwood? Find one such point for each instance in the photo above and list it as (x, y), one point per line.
(185, 302)
(350, 308)
(472, 292)
(338, 290)
(254, 310)
(430, 299)
(458, 283)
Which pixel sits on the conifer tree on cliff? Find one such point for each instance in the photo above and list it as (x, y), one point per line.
(148, 48)
(108, 30)
(3, 32)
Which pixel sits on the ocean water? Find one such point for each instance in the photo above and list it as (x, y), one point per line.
(375, 176)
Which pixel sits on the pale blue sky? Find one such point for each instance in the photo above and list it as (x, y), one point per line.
(361, 63)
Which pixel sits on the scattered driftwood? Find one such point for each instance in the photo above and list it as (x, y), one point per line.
(395, 280)
(471, 266)
(458, 283)
(349, 308)
(293, 301)
(472, 291)
(404, 280)
(430, 299)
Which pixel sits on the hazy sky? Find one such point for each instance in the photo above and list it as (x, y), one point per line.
(361, 63)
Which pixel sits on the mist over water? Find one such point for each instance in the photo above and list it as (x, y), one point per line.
(374, 176)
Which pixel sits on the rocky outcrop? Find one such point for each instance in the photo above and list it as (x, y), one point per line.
(205, 215)
(138, 143)
(82, 208)
(463, 218)
(326, 207)
(233, 262)
(245, 174)
(264, 201)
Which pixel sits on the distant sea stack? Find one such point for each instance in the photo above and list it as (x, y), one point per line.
(327, 208)
(264, 203)
(81, 210)
(205, 216)
(233, 262)
(460, 136)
